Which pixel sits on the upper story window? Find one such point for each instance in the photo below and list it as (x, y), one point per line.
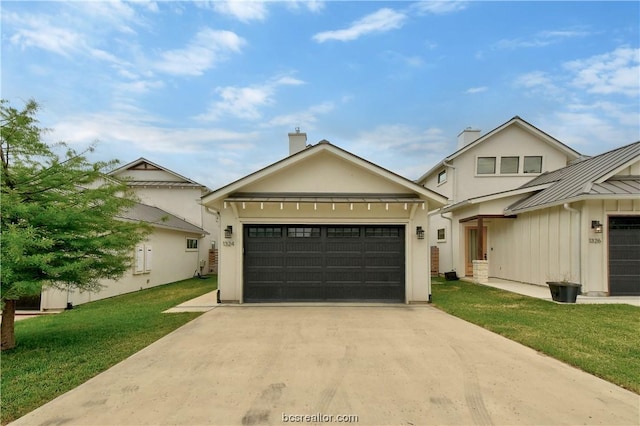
(509, 164)
(442, 176)
(442, 236)
(486, 165)
(532, 164)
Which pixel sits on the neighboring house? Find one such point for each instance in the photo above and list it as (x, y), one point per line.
(184, 232)
(500, 160)
(580, 223)
(323, 225)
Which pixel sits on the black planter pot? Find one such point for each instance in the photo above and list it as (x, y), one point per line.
(563, 291)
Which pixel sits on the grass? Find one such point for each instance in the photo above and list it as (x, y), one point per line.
(56, 353)
(603, 340)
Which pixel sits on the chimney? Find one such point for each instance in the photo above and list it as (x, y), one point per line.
(467, 136)
(297, 141)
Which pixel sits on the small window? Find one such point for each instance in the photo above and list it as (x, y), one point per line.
(381, 232)
(343, 232)
(533, 164)
(265, 232)
(192, 244)
(303, 232)
(441, 234)
(509, 164)
(442, 176)
(486, 165)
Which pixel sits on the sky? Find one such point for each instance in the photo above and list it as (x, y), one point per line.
(210, 89)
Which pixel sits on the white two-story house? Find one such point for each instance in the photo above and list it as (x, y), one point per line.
(500, 160)
(182, 244)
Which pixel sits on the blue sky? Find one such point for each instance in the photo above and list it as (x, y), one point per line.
(210, 89)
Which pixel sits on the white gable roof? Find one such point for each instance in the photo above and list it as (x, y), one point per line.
(515, 121)
(144, 164)
(315, 152)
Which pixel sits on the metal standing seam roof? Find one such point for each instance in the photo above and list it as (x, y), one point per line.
(580, 179)
(160, 218)
(163, 183)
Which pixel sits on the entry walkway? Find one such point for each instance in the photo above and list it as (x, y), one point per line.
(542, 292)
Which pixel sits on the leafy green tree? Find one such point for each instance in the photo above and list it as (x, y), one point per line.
(59, 217)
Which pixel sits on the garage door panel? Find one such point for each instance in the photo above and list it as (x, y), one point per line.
(624, 255)
(330, 263)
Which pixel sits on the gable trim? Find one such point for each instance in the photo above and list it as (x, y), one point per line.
(226, 190)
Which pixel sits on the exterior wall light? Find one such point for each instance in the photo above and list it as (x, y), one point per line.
(420, 233)
(596, 226)
(228, 231)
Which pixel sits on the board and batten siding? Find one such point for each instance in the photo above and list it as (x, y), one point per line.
(536, 247)
(556, 244)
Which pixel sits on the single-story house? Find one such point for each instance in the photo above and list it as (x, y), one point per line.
(323, 225)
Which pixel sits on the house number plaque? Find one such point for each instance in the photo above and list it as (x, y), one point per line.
(228, 243)
(595, 240)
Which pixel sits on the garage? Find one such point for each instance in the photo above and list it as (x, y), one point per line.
(324, 263)
(323, 225)
(624, 255)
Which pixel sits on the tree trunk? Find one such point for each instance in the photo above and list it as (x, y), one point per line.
(7, 329)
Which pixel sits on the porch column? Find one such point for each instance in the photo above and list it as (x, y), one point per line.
(480, 252)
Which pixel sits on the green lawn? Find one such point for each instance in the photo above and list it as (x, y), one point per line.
(603, 340)
(56, 353)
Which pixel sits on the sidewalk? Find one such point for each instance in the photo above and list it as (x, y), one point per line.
(542, 292)
(203, 303)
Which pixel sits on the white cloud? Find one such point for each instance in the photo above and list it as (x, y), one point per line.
(142, 133)
(616, 72)
(242, 10)
(305, 120)
(311, 5)
(381, 21)
(402, 138)
(37, 31)
(245, 102)
(438, 7)
(541, 39)
(208, 48)
(473, 90)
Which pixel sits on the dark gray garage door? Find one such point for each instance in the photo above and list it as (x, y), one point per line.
(323, 263)
(624, 256)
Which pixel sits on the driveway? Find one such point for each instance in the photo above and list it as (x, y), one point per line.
(397, 364)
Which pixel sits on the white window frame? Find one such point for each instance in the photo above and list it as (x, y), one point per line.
(441, 173)
(443, 239)
(495, 164)
(517, 157)
(524, 159)
(187, 248)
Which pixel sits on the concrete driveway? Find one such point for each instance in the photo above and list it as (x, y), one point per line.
(401, 365)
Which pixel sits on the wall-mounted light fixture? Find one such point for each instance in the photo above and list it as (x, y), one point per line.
(596, 226)
(228, 231)
(420, 233)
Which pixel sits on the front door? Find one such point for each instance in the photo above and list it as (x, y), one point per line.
(471, 248)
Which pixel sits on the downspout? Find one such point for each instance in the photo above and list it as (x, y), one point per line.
(579, 256)
(454, 198)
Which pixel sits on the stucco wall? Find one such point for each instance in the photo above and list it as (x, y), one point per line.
(170, 262)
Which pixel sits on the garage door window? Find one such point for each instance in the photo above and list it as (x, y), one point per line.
(375, 231)
(343, 232)
(303, 232)
(265, 232)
